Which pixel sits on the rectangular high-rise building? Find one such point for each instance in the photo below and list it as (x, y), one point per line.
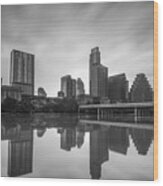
(79, 87)
(118, 88)
(66, 86)
(98, 75)
(73, 88)
(22, 71)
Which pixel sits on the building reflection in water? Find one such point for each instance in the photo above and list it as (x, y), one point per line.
(142, 139)
(80, 133)
(68, 138)
(41, 132)
(20, 149)
(102, 139)
(98, 150)
(114, 138)
(118, 139)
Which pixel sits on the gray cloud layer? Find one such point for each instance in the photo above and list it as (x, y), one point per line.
(61, 36)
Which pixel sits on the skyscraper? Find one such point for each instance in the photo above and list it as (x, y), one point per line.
(141, 90)
(98, 75)
(79, 87)
(66, 86)
(118, 88)
(22, 71)
(73, 88)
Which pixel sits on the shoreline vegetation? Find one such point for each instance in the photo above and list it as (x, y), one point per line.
(11, 105)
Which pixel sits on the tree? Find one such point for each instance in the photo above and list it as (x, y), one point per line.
(9, 105)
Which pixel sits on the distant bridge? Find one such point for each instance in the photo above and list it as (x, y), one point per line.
(126, 112)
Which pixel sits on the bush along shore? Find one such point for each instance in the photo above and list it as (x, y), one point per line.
(30, 106)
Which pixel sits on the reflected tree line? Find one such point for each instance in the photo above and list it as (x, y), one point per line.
(103, 139)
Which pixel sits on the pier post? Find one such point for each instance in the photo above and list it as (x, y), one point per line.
(98, 113)
(101, 117)
(78, 112)
(135, 115)
(103, 114)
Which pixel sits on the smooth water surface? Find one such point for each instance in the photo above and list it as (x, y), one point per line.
(63, 146)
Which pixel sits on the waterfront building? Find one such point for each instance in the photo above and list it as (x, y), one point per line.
(79, 87)
(60, 94)
(118, 88)
(22, 71)
(70, 87)
(84, 99)
(10, 92)
(73, 88)
(66, 86)
(97, 75)
(41, 92)
(141, 90)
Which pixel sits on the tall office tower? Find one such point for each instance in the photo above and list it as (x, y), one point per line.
(98, 75)
(141, 90)
(118, 88)
(22, 71)
(73, 88)
(66, 86)
(79, 87)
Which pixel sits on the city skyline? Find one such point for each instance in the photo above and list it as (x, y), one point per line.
(62, 44)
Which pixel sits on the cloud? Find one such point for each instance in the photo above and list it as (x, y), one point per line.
(62, 35)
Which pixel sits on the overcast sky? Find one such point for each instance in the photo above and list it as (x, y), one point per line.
(62, 35)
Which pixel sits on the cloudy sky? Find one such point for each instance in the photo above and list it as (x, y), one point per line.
(62, 35)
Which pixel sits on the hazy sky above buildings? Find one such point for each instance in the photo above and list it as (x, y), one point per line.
(62, 35)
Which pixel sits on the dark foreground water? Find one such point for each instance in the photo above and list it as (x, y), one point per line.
(62, 146)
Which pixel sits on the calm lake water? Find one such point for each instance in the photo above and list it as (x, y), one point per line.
(63, 146)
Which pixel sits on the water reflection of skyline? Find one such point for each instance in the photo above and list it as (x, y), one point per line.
(20, 149)
(102, 140)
